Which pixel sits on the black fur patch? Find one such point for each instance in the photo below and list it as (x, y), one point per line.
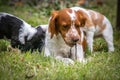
(9, 28)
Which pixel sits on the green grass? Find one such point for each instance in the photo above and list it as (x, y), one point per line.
(34, 66)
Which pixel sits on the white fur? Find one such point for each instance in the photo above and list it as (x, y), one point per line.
(26, 30)
(73, 30)
(89, 38)
(108, 34)
(44, 26)
(5, 14)
(80, 53)
(92, 31)
(57, 48)
(72, 15)
(56, 45)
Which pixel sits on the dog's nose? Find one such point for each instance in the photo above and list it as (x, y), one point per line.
(75, 39)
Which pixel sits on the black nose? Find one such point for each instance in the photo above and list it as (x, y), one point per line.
(75, 40)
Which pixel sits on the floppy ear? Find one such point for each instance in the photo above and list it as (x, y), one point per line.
(52, 24)
(82, 18)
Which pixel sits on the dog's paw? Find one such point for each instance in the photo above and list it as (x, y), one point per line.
(111, 50)
(65, 60)
(68, 61)
(84, 61)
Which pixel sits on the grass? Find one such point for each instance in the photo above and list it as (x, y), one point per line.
(15, 65)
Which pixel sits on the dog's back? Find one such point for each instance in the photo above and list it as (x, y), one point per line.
(8, 23)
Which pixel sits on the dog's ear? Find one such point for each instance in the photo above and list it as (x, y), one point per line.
(52, 24)
(82, 18)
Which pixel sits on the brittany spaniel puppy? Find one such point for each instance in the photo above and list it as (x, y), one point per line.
(21, 34)
(65, 39)
(96, 24)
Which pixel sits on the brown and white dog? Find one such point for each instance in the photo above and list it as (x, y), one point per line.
(63, 34)
(66, 28)
(96, 24)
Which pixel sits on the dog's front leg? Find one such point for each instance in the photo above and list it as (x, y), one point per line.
(79, 55)
(89, 38)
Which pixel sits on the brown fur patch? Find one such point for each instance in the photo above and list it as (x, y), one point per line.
(52, 25)
(85, 20)
(97, 21)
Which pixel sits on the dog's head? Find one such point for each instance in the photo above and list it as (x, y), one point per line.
(36, 42)
(67, 22)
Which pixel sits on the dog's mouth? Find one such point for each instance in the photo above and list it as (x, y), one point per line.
(71, 41)
(71, 44)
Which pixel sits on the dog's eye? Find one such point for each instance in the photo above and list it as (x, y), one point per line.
(64, 27)
(77, 26)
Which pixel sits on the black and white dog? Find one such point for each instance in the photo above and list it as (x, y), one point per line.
(22, 35)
